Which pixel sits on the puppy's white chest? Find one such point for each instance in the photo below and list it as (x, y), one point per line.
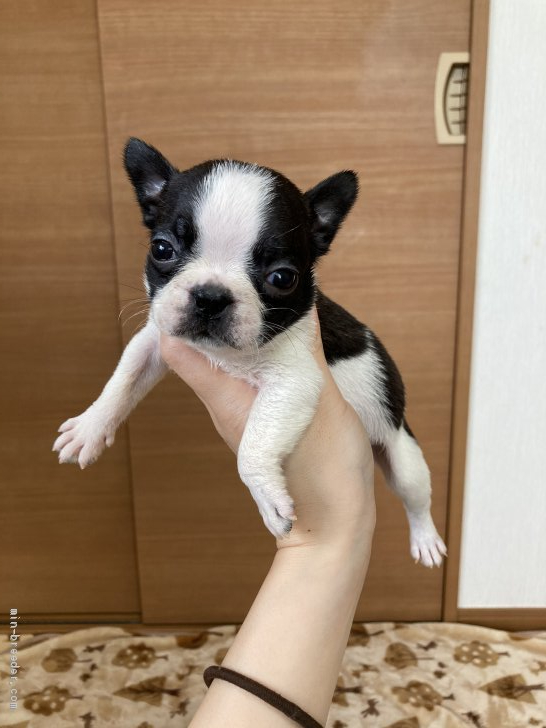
(287, 357)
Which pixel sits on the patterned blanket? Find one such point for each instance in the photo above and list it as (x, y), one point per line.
(393, 676)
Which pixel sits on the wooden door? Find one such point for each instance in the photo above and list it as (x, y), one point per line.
(66, 536)
(309, 88)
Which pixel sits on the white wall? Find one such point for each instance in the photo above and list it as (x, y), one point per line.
(504, 532)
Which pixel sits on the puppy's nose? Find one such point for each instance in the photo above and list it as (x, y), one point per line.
(211, 299)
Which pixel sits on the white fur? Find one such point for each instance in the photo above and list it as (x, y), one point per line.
(408, 475)
(230, 212)
(361, 381)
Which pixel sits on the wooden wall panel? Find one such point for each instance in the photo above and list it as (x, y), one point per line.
(308, 88)
(66, 536)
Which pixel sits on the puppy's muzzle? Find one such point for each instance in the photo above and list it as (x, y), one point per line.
(211, 301)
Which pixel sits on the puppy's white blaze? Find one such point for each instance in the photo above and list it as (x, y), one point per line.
(361, 381)
(230, 212)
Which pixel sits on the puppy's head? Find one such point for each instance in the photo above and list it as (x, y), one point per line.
(233, 245)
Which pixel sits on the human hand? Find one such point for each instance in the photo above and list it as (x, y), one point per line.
(308, 591)
(330, 472)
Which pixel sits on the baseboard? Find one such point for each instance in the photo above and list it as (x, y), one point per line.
(513, 619)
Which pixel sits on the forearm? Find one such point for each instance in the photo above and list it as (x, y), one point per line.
(295, 634)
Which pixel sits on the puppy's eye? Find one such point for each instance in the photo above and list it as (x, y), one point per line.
(282, 279)
(162, 250)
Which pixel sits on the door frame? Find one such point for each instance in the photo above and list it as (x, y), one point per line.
(479, 32)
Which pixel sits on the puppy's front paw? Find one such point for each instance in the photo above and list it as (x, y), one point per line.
(276, 510)
(426, 544)
(83, 438)
(267, 485)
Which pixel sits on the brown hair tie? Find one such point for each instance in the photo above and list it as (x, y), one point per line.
(291, 710)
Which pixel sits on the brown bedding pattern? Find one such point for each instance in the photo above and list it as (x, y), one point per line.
(393, 676)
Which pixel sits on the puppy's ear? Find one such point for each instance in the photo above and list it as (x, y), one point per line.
(328, 204)
(149, 172)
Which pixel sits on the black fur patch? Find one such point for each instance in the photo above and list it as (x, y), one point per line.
(149, 171)
(343, 336)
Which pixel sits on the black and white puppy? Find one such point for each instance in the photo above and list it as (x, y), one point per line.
(231, 271)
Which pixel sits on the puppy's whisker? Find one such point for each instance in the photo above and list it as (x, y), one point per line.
(255, 350)
(257, 353)
(274, 327)
(289, 335)
(140, 326)
(291, 342)
(137, 313)
(288, 332)
(280, 330)
(131, 303)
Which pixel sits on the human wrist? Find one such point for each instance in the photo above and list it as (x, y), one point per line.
(334, 509)
(345, 552)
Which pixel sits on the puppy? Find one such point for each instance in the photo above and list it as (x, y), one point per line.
(231, 271)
